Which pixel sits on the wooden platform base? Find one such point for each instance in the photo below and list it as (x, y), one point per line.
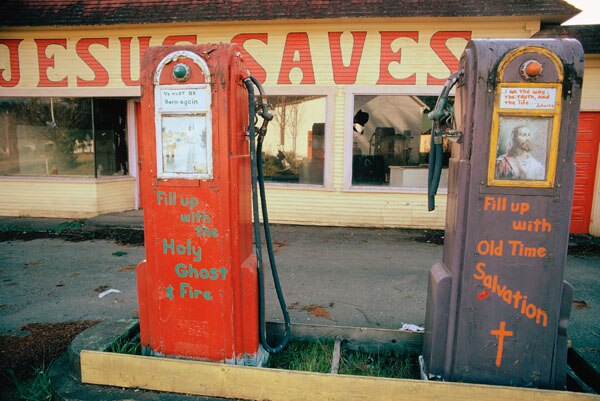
(219, 380)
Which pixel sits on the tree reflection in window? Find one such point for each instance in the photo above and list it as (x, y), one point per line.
(294, 147)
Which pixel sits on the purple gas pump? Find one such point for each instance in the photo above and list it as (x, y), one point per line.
(498, 307)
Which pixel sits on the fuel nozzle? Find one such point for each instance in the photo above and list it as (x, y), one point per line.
(262, 109)
(443, 113)
(264, 112)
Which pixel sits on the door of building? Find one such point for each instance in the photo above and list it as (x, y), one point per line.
(586, 156)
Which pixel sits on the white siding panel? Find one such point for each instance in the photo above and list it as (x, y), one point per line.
(590, 96)
(289, 206)
(64, 198)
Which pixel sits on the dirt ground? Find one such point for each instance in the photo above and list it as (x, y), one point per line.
(33, 347)
(22, 356)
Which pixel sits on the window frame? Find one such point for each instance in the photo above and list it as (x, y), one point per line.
(349, 93)
(329, 93)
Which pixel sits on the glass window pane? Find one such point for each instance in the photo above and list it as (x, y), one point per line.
(391, 141)
(63, 136)
(294, 147)
(46, 136)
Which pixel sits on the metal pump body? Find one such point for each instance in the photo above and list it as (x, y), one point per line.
(497, 305)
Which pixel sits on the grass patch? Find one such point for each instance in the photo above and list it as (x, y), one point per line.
(12, 232)
(127, 344)
(317, 356)
(305, 356)
(7, 228)
(309, 356)
(66, 225)
(74, 230)
(385, 364)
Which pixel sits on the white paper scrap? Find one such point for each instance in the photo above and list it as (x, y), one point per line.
(105, 293)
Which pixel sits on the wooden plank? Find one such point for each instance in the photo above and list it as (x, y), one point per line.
(335, 358)
(368, 339)
(219, 380)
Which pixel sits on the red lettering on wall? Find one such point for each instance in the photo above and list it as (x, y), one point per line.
(389, 56)
(175, 39)
(253, 66)
(296, 42)
(83, 51)
(126, 58)
(13, 55)
(45, 62)
(438, 45)
(341, 73)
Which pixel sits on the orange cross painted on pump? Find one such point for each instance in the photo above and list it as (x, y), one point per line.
(500, 334)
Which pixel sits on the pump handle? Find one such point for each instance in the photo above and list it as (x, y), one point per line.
(264, 110)
(443, 111)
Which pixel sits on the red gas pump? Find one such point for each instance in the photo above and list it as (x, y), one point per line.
(200, 287)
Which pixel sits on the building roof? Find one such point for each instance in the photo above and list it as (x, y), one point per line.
(588, 35)
(22, 13)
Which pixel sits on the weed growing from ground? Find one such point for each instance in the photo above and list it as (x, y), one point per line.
(37, 389)
(127, 345)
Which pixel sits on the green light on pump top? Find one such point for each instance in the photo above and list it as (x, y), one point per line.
(181, 72)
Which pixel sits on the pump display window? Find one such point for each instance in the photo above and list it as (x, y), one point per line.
(391, 137)
(63, 137)
(184, 144)
(523, 148)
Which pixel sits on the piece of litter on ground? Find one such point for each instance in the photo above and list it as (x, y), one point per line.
(411, 327)
(105, 293)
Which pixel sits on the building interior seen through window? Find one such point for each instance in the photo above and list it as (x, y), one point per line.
(63, 137)
(391, 141)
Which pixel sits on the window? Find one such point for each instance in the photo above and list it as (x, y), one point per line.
(391, 137)
(63, 137)
(294, 147)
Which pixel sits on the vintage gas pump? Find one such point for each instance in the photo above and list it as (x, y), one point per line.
(200, 287)
(497, 306)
